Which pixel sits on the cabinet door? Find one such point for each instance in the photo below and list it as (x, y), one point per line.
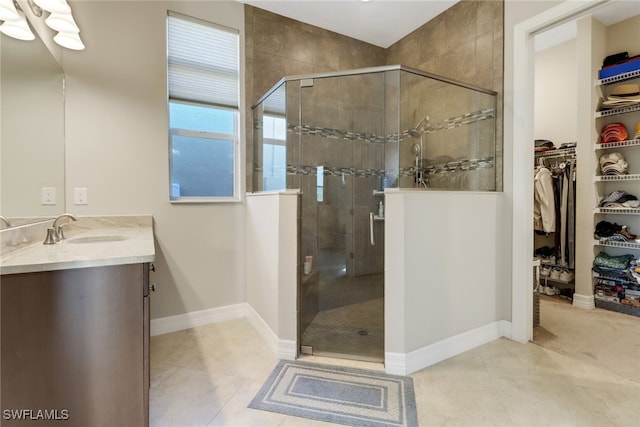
(72, 341)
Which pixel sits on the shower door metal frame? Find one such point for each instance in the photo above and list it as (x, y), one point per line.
(351, 216)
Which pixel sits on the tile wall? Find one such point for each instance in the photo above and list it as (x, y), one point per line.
(276, 46)
(464, 43)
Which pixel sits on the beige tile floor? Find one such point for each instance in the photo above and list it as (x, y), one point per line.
(207, 376)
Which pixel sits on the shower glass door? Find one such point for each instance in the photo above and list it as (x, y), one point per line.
(341, 170)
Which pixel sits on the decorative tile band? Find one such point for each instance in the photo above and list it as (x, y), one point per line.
(334, 171)
(465, 119)
(450, 123)
(454, 166)
(336, 134)
(441, 168)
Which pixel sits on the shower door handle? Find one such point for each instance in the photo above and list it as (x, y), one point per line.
(373, 241)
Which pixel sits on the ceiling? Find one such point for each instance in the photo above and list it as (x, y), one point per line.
(608, 15)
(379, 22)
(384, 22)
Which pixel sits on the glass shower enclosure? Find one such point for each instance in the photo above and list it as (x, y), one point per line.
(341, 139)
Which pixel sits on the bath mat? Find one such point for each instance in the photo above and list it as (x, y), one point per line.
(338, 395)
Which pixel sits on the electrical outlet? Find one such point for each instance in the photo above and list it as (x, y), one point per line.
(48, 196)
(80, 196)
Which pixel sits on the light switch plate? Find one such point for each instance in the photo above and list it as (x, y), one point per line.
(80, 196)
(48, 196)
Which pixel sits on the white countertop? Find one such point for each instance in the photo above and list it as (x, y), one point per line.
(91, 242)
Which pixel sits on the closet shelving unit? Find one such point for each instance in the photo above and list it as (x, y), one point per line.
(629, 115)
(560, 154)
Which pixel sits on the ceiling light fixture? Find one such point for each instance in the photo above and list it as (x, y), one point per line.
(15, 22)
(62, 22)
(69, 40)
(58, 6)
(60, 19)
(8, 11)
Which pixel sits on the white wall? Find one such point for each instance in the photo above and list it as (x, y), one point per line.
(272, 271)
(624, 36)
(442, 266)
(556, 117)
(117, 147)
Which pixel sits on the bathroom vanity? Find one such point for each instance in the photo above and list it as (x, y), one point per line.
(75, 326)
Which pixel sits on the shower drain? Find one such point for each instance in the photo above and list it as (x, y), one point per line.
(363, 332)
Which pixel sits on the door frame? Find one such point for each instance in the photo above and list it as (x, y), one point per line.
(522, 157)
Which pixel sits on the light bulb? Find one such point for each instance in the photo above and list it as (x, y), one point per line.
(58, 6)
(8, 11)
(17, 29)
(69, 40)
(62, 22)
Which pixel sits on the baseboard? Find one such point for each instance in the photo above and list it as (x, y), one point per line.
(395, 363)
(165, 325)
(407, 363)
(287, 350)
(584, 301)
(283, 349)
(505, 328)
(263, 329)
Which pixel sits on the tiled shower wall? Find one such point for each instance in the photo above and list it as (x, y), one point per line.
(276, 46)
(463, 43)
(457, 143)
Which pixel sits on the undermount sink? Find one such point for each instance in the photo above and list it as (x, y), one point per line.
(98, 239)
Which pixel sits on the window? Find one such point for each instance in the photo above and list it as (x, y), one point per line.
(274, 153)
(203, 85)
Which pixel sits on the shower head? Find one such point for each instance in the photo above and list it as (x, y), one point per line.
(420, 128)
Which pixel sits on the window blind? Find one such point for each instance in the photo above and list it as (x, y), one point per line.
(203, 62)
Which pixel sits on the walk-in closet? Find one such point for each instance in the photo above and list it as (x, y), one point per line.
(586, 175)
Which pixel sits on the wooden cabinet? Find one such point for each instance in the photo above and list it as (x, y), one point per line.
(75, 343)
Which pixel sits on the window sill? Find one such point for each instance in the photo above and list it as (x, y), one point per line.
(204, 200)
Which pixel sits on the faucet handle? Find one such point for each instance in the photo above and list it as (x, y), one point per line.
(51, 237)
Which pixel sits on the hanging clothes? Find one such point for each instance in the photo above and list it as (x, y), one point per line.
(555, 205)
(571, 228)
(544, 212)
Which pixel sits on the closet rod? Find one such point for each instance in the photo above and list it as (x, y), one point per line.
(557, 153)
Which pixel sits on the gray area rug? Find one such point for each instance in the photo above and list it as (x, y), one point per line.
(338, 395)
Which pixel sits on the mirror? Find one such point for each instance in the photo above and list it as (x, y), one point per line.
(32, 131)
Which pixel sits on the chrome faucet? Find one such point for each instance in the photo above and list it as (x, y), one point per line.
(5, 220)
(55, 233)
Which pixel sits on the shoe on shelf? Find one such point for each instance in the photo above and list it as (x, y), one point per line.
(566, 276)
(555, 274)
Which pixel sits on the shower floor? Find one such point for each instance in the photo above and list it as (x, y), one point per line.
(353, 331)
